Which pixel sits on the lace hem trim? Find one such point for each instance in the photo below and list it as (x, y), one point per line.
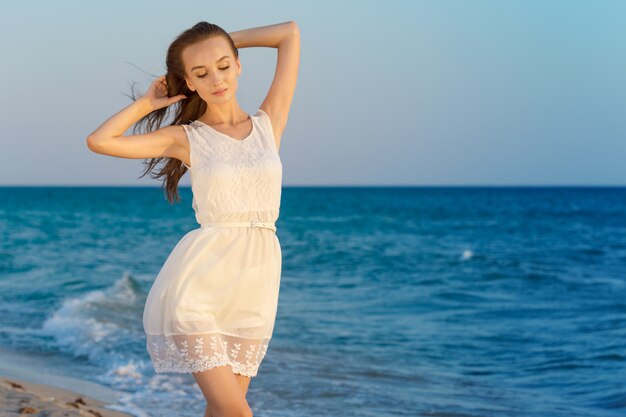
(173, 353)
(161, 367)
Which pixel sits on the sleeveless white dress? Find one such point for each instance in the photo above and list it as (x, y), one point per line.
(215, 299)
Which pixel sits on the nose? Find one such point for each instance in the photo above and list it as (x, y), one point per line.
(217, 80)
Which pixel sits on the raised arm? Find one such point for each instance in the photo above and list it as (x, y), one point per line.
(286, 38)
(170, 141)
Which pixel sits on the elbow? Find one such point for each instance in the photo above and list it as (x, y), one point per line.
(295, 29)
(92, 143)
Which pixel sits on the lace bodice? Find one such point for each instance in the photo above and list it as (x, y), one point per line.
(234, 180)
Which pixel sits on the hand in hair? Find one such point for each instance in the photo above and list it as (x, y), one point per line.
(156, 96)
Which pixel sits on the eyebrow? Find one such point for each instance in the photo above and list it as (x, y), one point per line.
(202, 66)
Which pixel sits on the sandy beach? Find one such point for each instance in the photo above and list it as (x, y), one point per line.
(19, 397)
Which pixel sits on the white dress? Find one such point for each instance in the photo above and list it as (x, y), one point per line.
(215, 299)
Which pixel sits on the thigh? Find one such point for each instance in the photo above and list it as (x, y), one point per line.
(222, 391)
(244, 382)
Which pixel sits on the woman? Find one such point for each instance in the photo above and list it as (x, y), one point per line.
(211, 309)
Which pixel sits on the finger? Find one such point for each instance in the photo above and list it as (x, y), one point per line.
(178, 98)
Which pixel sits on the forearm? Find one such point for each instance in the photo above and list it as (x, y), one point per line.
(269, 36)
(120, 122)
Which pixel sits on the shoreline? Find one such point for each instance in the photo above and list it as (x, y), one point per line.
(20, 396)
(36, 385)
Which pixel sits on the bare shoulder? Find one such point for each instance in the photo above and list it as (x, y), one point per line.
(181, 150)
(174, 134)
(179, 135)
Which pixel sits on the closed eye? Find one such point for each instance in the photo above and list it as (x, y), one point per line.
(222, 69)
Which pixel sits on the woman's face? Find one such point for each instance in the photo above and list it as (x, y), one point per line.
(210, 67)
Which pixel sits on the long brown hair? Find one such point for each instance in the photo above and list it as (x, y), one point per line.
(185, 111)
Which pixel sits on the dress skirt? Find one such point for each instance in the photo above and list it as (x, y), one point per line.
(214, 301)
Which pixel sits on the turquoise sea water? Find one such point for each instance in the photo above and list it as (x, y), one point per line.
(394, 301)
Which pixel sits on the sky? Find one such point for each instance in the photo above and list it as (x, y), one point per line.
(459, 93)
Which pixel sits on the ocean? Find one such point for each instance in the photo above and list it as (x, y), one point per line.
(407, 301)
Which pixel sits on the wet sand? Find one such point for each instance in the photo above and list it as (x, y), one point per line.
(21, 398)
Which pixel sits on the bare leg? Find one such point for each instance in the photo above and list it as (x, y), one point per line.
(222, 392)
(244, 382)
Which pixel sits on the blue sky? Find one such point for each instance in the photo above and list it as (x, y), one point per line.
(389, 93)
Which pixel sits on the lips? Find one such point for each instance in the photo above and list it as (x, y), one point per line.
(220, 91)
